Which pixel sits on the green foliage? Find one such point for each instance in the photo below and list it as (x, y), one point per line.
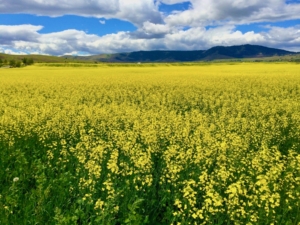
(27, 61)
(133, 217)
(24, 60)
(12, 63)
(30, 61)
(18, 64)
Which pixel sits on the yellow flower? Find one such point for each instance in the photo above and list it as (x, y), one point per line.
(99, 204)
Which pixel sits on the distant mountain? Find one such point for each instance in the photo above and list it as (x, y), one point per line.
(215, 53)
(243, 51)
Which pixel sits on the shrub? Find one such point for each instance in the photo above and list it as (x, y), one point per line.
(18, 64)
(12, 63)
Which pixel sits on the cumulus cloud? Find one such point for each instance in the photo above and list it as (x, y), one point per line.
(177, 30)
(135, 11)
(201, 38)
(12, 52)
(8, 34)
(201, 12)
(214, 12)
(60, 7)
(151, 30)
(140, 11)
(59, 43)
(286, 38)
(79, 42)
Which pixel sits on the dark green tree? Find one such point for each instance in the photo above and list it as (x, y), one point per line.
(25, 61)
(18, 64)
(12, 63)
(30, 61)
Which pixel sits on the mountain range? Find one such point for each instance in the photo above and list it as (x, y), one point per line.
(215, 53)
(239, 52)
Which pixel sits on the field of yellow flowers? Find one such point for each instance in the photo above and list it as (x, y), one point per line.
(150, 144)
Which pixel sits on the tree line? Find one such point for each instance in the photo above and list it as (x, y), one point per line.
(16, 63)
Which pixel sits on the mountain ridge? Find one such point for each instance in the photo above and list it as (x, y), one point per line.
(231, 53)
(214, 53)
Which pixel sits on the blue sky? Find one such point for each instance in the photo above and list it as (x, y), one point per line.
(85, 27)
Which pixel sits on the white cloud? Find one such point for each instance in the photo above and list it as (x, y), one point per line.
(151, 30)
(287, 38)
(77, 53)
(201, 38)
(155, 30)
(8, 34)
(79, 42)
(201, 13)
(139, 11)
(60, 7)
(12, 52)
(212, 12)
(135, 11)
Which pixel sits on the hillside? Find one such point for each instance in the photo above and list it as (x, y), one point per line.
(215, 53)
(241, 52)
(39, 58)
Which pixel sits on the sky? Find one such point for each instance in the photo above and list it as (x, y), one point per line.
(89, 27)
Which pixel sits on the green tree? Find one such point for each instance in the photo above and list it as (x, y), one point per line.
(18, 64)
(12, 63)
(25, 61)
(30, 61)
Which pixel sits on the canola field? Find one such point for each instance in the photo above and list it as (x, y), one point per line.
(150, 144)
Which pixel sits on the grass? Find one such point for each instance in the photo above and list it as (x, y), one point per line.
(150, 144)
